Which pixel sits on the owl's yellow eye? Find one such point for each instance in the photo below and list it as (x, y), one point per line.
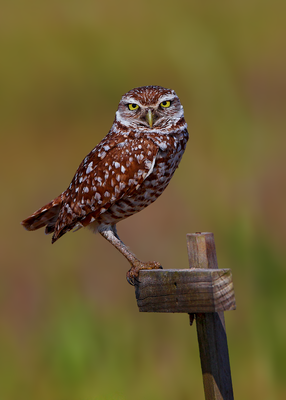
(165, 104)
(133, 106)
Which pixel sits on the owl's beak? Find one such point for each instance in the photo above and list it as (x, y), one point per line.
(150, 118)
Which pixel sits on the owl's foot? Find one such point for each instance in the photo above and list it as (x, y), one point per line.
(133, 273)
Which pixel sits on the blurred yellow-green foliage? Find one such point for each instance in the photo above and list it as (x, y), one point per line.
(69, 324)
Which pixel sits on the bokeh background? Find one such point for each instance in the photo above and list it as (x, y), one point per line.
(69, 325)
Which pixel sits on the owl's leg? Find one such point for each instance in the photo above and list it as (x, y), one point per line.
(109, 232)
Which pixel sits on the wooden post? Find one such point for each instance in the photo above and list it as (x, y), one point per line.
(204, 291)
(210, 326)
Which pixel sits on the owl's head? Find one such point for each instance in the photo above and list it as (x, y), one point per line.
(150, 107)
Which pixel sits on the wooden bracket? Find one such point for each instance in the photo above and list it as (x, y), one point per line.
(185, 290)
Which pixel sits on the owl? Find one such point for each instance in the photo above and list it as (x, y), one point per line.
(128, 170)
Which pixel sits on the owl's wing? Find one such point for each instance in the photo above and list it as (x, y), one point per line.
(105, 176)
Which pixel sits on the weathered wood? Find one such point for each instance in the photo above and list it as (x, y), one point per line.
(210, 326)
(185, 290)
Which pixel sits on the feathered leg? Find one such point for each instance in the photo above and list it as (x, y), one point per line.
(109, 232)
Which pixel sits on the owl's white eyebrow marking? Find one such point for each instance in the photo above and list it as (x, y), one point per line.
(167, 97)
(128, 100)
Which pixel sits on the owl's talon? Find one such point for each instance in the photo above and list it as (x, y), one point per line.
(131, 277)
(132, 280)
(133, 273)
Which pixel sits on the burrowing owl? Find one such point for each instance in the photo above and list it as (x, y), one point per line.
(124, 173)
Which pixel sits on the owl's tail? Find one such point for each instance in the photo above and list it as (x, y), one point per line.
(45, 216)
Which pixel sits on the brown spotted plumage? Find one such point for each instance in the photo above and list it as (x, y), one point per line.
(124, 173)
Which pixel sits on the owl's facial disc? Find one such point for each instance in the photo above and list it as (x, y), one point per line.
(147, 108)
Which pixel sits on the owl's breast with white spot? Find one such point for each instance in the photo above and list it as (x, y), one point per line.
(166, 162)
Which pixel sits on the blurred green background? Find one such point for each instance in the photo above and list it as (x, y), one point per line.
(69, 325)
